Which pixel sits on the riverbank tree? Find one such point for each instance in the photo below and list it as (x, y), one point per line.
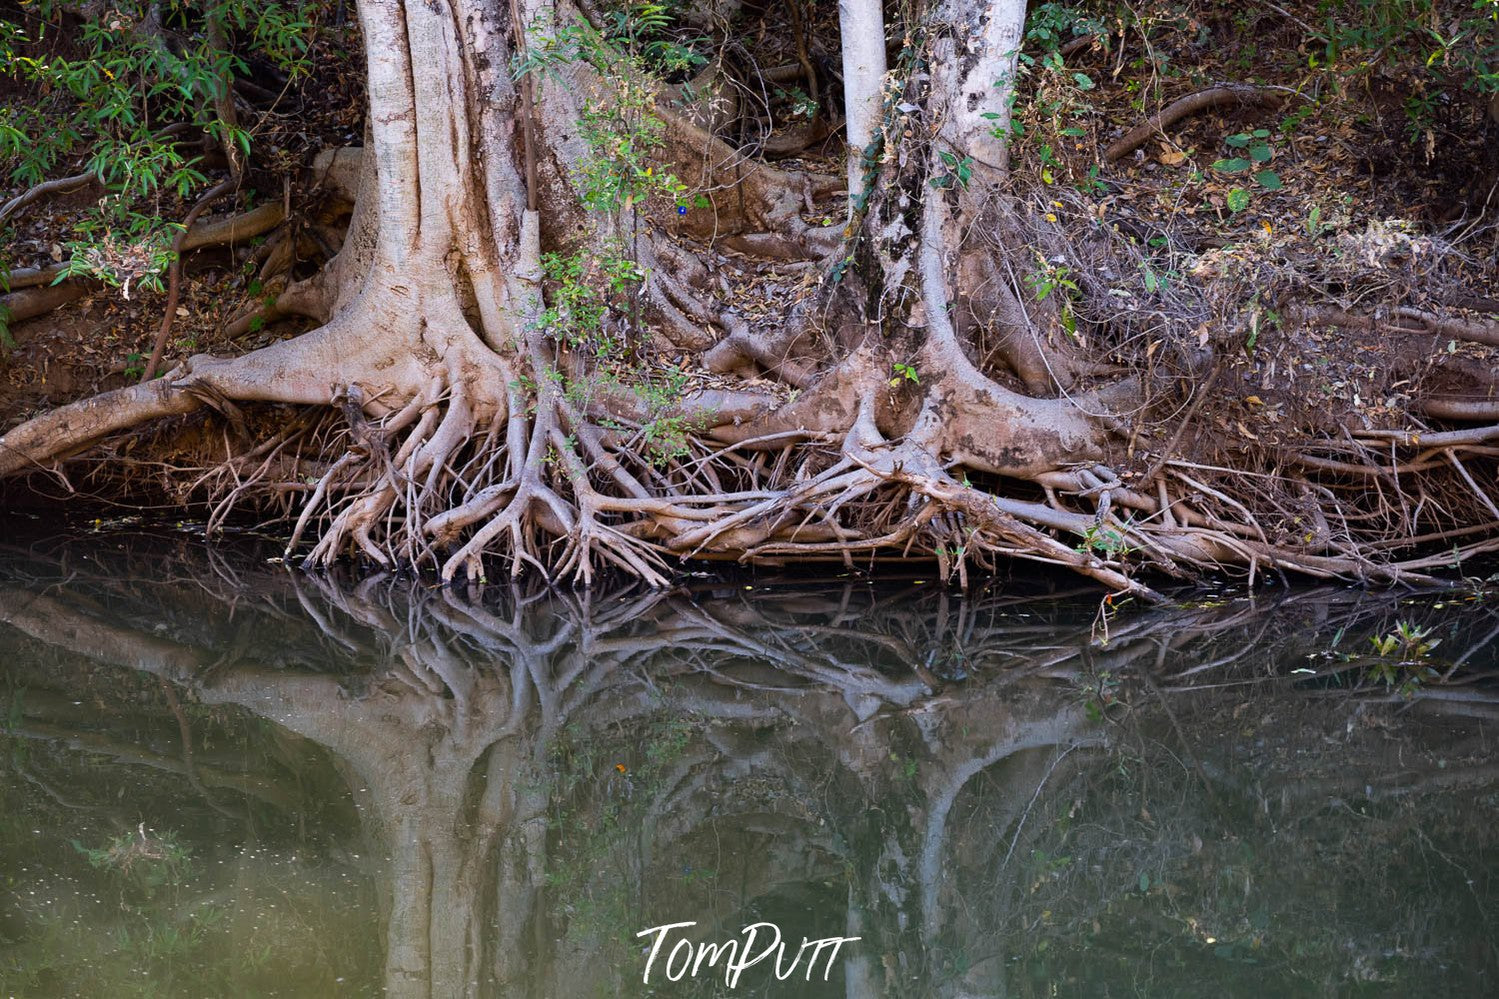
(1144, 293)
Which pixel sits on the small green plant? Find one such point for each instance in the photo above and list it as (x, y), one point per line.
(801, 105)
(1251, 150)
(1053, 276)
(1402, 655)
(1049, 26)
(1156, 281)
(904, 372)
(121, 247)
(1092, 184)
(1105, 540)
(1098, 693)
(1407, 642)
(1050, 276)
(906, 766)
(959, 171)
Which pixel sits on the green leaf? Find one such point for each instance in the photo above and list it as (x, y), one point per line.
(1269, 180)
(1238, 199)
(1260, 153)
(1084, 81)
(1237, 141)
(1237, 164)
(1144, 881)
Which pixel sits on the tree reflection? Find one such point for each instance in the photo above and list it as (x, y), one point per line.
(544, 774)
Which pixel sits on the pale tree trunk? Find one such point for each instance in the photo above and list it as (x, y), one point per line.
(862, 26)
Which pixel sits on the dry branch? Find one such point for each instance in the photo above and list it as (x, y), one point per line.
(1203, 100)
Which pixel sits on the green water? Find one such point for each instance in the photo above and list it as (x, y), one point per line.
(219, 777)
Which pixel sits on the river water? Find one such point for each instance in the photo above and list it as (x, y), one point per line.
(221, 777)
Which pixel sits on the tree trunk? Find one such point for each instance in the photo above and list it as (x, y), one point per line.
(862, 26)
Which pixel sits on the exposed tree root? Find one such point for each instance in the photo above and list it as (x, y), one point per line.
(1203, 100)
(46, 189)
(38, 301)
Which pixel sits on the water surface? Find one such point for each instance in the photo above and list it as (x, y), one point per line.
(221, 777)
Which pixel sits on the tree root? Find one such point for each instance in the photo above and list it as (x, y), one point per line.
(38, 301)
(1404, 319)
(62, 185)
(1203, 100)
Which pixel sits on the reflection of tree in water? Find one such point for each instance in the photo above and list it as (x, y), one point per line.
(991, 799)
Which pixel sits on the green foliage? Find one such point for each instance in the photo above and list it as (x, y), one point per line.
(584, 285)
(1407, 642)
(624, 132)
(590, 295)
(959, 170)
(1053, 276)
(1251, 150)
(120, 246)
(1049, 26)
(1053, 118)
(622, 135)
(100, 88)
(1447, 50)
(1105, 540)
(1050, 276)
(127, 84)
(1457, 43)
(593, 295)
(1402, 658)
(904, 372)
(801, 105)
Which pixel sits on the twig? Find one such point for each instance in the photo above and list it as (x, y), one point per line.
(174, 273)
